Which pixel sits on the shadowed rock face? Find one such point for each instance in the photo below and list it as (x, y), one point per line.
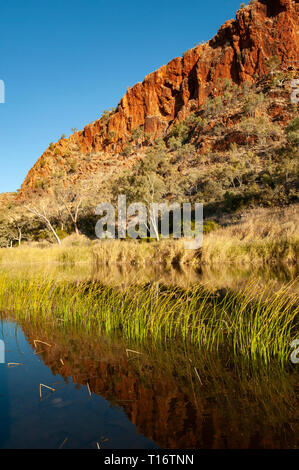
(238, 52)
(162, 395)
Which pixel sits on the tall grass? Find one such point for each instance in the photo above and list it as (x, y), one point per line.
(261, 237)
(218, 248)
(251, 323)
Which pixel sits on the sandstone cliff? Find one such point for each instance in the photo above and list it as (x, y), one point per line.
(264, 29)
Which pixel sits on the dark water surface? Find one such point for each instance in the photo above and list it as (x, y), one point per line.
(119, 399)
(26, 421)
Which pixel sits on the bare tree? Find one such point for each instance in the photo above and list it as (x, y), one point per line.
(72, 200)
(44, 210)
(12, 225)
(18, 222)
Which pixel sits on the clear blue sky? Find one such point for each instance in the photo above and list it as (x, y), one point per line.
(65, 61)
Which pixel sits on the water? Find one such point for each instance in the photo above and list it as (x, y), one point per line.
(69, 413)
(107, 396)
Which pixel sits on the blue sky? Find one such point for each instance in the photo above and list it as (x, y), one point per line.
(65, 61)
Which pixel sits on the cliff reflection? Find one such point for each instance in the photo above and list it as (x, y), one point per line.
(175, 398)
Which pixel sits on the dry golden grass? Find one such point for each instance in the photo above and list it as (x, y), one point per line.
(263, 223)
(262, 236)
(132, 252)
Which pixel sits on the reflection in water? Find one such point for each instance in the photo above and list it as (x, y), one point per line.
(217, 277)
(175, 398)
(170, 398)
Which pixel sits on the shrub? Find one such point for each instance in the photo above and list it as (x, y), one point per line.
(61, 233)
(127, 151)
(193, 120)
(252, 102)
(106, 115)
(273, 63)
(174, 143)
(137, 134)
(111, 135)
(73, 165)
(210, 226)
(213, 106)
(212, 190)
(180, 131)
(293, 125)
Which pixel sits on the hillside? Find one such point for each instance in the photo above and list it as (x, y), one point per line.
(238, 52)
(217, 126)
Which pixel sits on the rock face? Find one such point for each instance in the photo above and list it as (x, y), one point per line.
(238, 52)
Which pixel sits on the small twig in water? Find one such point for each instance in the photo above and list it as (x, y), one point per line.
(14, 364)
(198, 376)
(132, 351)
(46, 386)
(64, 442)
(39, 341)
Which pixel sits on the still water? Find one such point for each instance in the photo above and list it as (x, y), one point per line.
(106, 396)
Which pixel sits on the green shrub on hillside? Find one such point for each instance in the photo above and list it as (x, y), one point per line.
(210, 226)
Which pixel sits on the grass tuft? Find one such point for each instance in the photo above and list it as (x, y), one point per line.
(253, 323)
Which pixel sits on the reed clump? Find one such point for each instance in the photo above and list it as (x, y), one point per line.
(252, 323)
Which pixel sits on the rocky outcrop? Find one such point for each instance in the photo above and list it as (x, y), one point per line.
(239, 51)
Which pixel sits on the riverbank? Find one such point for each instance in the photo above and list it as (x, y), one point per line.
(259, 237)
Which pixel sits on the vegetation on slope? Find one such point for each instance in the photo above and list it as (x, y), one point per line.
(240, 151)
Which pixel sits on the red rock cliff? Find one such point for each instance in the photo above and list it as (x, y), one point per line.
(261, 30)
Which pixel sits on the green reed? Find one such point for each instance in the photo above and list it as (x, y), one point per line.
(252, 323)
